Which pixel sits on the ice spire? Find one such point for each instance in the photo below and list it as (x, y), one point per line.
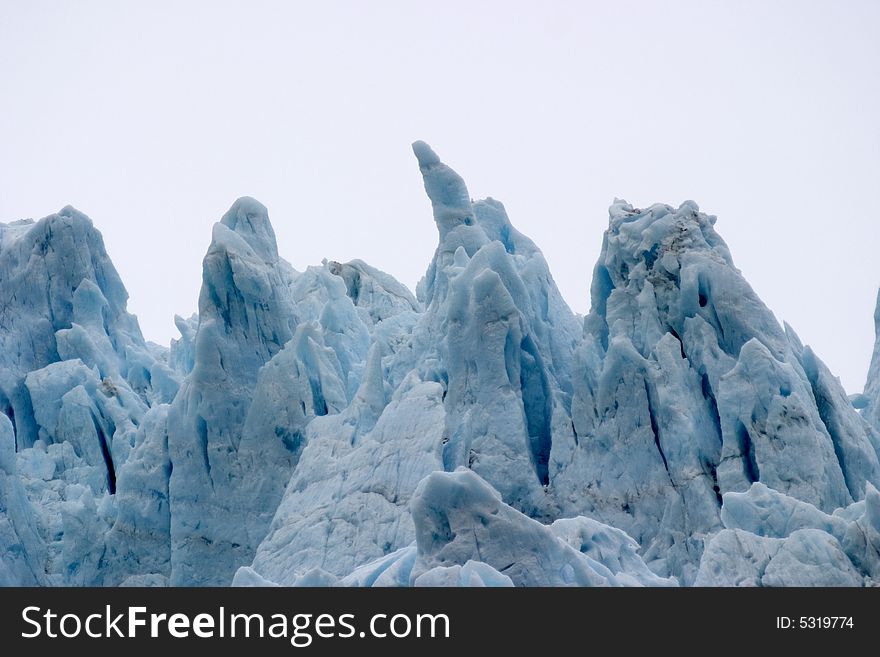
(250, 219)
(446, 189)
(872, 387)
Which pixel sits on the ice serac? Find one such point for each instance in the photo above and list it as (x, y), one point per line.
(374, 291)
(453, 214)
(224, 485)
(687, 388)
(138, 545)
(856, 443)
(182, 355)
(498, 335)
(772, 539)
(76, 380)
(63, 300)
(130, 482)
(871, 402)
(23, 559)
(480, 376)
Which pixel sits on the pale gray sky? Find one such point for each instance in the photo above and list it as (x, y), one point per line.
(152, 117)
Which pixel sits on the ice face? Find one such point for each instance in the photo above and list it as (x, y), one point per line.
(346, 503)
(64, 300)
(871, 401)
(687, 388)
(76, 383)
(498, 335)
(329, 428)
(21, 564)
(223, 486)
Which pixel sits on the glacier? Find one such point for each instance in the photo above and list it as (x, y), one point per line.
(329, 427)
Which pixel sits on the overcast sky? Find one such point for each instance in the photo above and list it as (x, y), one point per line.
(152, 117)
